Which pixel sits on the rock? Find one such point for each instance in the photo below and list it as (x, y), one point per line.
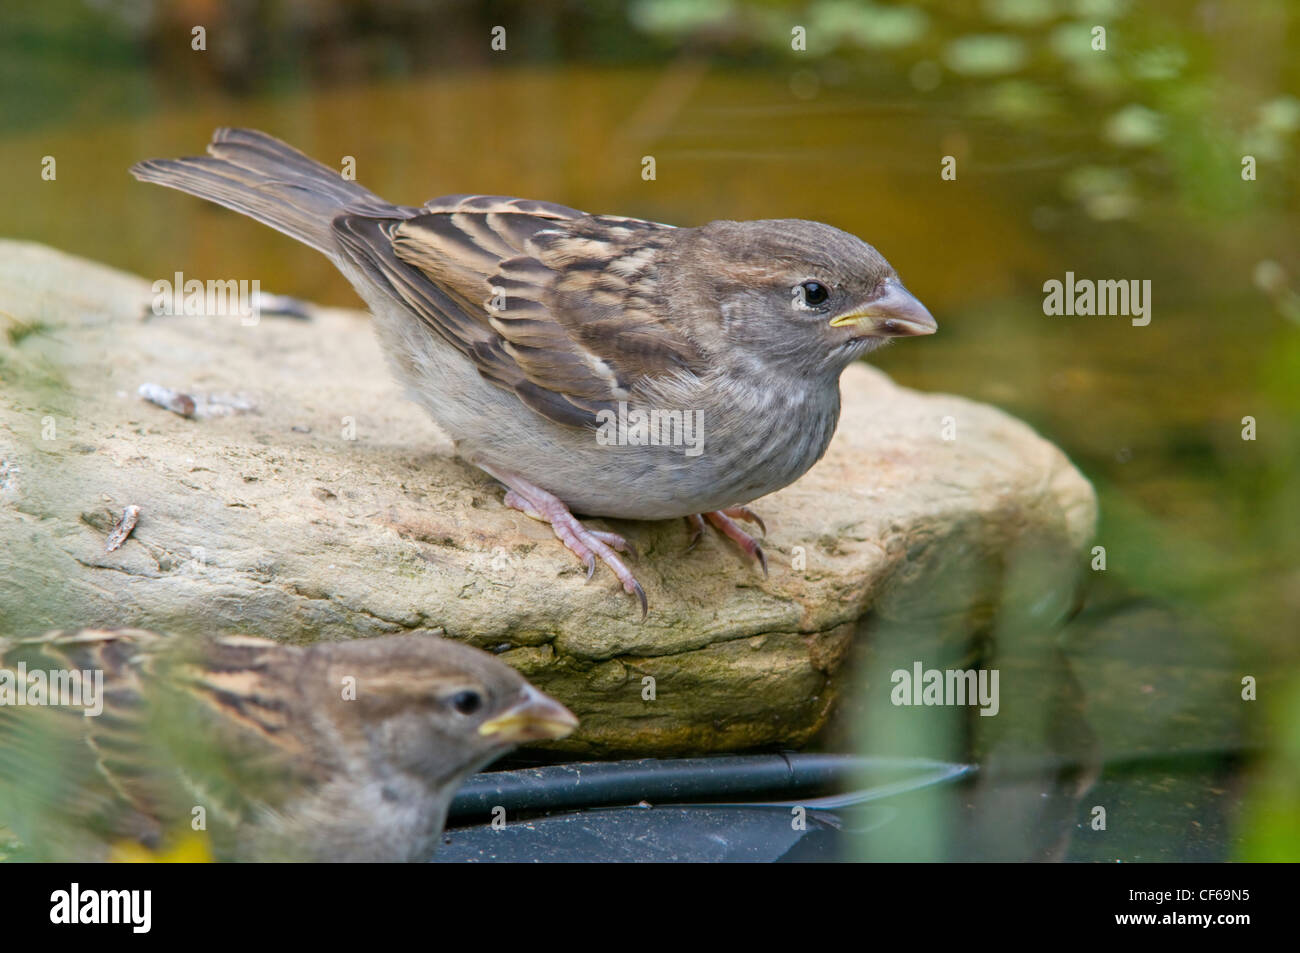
(304, 499)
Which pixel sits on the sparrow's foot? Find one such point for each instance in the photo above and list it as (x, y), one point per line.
(587, 544)
(724, 521)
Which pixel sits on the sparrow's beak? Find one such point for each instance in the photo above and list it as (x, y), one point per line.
(893, 312)
(536, 717)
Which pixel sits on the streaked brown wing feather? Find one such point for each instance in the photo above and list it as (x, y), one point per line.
(615, 311)
(552, 304)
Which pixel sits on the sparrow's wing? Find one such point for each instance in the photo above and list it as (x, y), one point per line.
(548, 302)
(177, 730)
(66, 776)
(223, 708)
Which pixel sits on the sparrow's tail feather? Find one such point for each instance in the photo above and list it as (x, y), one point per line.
(263, 178)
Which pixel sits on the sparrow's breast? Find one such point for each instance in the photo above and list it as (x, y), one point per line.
(725, 449)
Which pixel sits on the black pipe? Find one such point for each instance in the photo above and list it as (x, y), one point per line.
(729, 777)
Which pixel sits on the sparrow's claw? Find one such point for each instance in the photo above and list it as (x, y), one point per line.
(587, 544)
(696, 522)
(724, 524)
(640, 594)
(745, 513)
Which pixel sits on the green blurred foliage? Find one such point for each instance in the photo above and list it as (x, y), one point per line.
(1272, 811)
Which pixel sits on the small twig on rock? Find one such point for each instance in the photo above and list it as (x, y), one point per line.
(123, 528)
(196, 406)
(174, 401)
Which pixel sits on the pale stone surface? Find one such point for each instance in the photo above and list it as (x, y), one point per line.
(266, 520)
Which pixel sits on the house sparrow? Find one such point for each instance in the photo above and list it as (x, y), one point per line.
(327, 752)
(542, 339)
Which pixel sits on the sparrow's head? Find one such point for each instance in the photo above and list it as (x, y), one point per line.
(433, 708)
(797, 294)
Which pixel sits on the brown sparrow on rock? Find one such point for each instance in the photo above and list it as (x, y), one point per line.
(327, 752)
(543, 339)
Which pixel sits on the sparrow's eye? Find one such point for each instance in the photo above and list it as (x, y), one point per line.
(467, 702)
(813, 293)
